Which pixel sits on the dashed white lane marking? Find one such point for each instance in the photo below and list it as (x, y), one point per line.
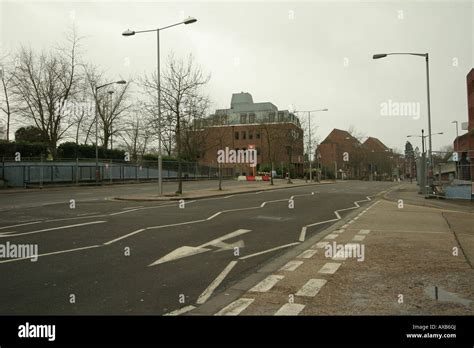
(210, 289)
(53, 253)
(358, 238)
(181, 310)
(291, 266)
(290, 309)
(320, 244)
(330, 268)
(55, 228)
(311, 288)
(236, 307)
(307, 254)
(331, 236)
(364, 231)
(269, 250)
(356, 218)
(267, 283)
(125, 236)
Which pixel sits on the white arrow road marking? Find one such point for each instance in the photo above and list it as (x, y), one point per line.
(53, 229)
(185, 251)
(210, 289)
(227, 246)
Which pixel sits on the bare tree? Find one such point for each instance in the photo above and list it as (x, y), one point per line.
(109, 109)
(6, 103)
(136, 135)
(44, 83)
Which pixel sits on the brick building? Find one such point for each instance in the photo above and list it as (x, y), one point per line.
(275, 134)
(464, 144)
(363, 160)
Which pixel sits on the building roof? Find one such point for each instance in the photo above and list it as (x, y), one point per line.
(375, 144)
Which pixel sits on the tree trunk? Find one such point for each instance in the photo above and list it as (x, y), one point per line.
(178, 148)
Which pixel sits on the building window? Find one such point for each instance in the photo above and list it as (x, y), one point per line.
(244, 135)
(258, 150)
(236, 135)
(250, 135)
(281, 116)
(257, 135)
(252, 118)
(271, 117)
(243, 118)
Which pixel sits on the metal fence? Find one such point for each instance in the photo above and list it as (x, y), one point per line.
(37, 172)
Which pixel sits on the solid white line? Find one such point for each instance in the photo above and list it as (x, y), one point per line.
(210, 289)
(236, 307)
(125, 236)
(307, 254)
(276, 200)
(311, 288)
(330, 268)
(176, 224)
(290, 309)
(213, 216)
(25, 224)
(358, 238)
(53, 253)
(291, 265)
(268, 250)
(54, 229)
(181, 310)
(267, 283)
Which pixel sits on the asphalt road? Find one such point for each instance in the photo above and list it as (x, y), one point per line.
(116, 257)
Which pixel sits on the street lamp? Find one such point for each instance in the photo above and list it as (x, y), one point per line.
(310, 147)
(129, 32)
(121, 82)
(383, 55)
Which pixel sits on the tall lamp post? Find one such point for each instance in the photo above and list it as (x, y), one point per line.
(383, 55)
(310, 146)
(111, 121)
(129, 32)
(121, 82)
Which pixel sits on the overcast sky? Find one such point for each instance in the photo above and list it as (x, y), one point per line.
(303, 55)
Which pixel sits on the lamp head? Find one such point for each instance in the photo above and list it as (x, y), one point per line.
(128, 32)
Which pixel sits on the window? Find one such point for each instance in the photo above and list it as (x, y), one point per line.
(252, 118)
(250, 135)
(236, 135)
(281, 115)
(243, 118)
(271, 117)
(258, 150)
(244, 135)
(257, 135)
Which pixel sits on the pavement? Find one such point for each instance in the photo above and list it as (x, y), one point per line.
(98, 255)
(388, 257)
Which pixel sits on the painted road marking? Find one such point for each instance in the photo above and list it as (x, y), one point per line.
(181, 310)
(339, 256)
(54, 229)
(364, 231)
(122, 237)
(210, 289)
(267, 283)
(358, 238)
(311, 288)
(290, 309)
(53, 253)
(307, 254)
(269, 250)
(24, 224)
(291, 266)
(330, 268)
(320, 244)
(236, 307)
(331, 236)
